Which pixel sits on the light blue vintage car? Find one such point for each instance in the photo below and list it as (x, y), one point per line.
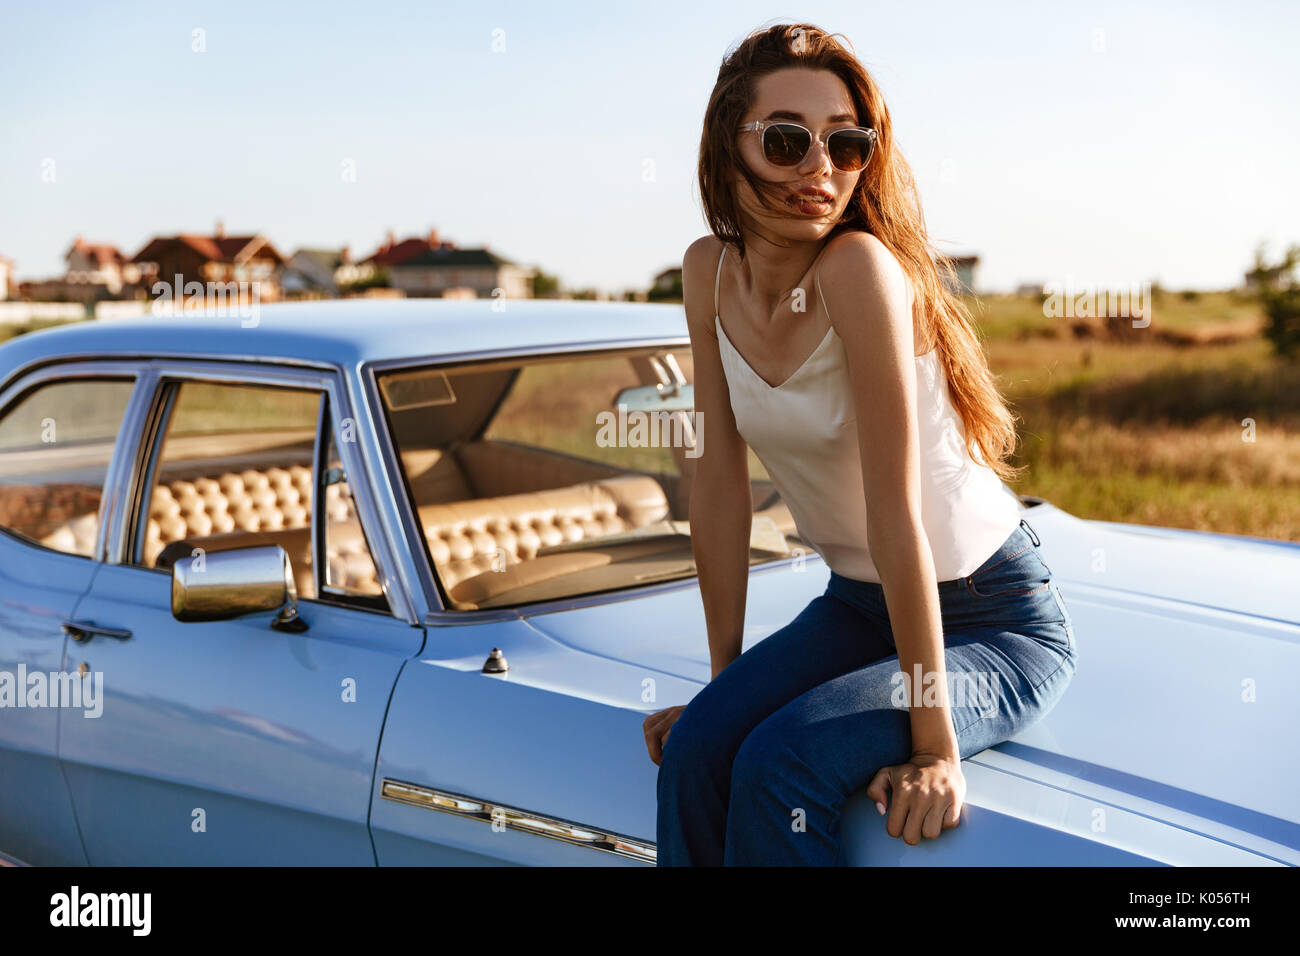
(396, 582)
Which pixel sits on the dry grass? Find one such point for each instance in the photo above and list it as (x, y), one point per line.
(1153, 433)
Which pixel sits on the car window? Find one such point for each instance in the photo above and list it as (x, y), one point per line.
(555, 406)
(530, 485)
(234, 468)
(56, 442)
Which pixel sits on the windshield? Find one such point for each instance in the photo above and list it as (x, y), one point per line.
(531, 484)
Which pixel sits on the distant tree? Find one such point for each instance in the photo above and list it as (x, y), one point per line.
(1277, 288)
(545, 285)
(671, 293)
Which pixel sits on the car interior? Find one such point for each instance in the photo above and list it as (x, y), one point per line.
(514, 510)
(517, 502)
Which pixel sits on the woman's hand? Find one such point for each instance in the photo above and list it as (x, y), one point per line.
(657, 727)
(928, 794)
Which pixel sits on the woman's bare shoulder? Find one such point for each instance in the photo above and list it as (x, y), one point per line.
(699, 266)
(857, 253)
(858, 271)
(703, 254)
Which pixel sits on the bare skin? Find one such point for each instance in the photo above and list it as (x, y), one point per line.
(866, 293)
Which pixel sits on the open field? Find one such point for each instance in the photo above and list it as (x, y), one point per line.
(1191, 436)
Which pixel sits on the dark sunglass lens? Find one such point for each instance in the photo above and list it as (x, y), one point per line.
(850, 149)
(785, 144)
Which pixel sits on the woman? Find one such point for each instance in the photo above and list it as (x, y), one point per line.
(871, 405)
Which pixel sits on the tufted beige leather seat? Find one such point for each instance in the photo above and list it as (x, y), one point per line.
(276, 499)
(237, 509)
(466, 538)
(240, 509)
(76, 536)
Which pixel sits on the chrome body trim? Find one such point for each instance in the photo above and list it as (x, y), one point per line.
(386, 523)
(513, 818)
(560, 349)
(318, 466)
(138, 360)
(402, 509)
(150, 407)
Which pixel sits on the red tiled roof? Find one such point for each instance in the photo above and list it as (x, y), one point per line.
(213, 248)
(203, 245)
(100, 253)
(399, 253)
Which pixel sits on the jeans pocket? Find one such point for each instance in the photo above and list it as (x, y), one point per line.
(1020, 571)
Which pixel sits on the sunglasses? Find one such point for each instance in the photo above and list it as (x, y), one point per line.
(786, 144)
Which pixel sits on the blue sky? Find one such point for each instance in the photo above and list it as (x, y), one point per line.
(1163, 147)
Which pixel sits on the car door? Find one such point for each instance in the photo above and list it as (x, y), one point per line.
(57, 433)
(229, 742)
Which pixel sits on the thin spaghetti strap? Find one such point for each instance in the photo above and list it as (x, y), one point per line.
(817, 278)
(717, 279)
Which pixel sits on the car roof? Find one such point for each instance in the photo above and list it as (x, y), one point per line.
(350, 331)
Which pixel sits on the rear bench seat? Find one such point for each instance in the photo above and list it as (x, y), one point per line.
(465, 538)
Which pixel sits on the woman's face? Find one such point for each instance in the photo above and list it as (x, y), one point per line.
(819, 100)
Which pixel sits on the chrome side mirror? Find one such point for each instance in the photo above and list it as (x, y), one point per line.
(229, 584)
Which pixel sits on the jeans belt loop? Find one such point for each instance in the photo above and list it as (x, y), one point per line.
(1025, 524)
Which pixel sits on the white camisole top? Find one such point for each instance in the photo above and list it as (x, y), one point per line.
(804, 431)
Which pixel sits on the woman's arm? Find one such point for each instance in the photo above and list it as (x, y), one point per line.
(721, 508)
(866, 293)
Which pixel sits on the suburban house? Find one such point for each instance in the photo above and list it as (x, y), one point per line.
(100, 265)
(217, 258)
(6, 265)
(313, 272)
(97, 271)
(428, 266)
(965, 268)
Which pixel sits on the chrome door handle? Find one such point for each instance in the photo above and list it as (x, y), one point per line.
(83, 631)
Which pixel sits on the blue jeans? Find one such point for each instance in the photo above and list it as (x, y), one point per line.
(759, 764)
